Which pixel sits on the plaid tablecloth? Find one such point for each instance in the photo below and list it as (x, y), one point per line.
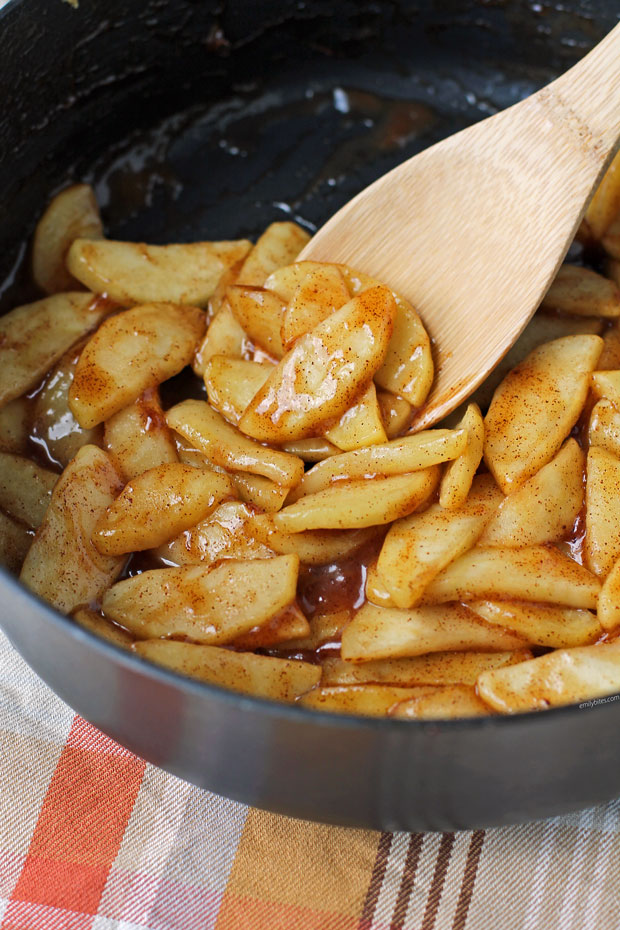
(93, 838)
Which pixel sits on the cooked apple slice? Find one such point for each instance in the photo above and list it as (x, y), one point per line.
(541, 624)
(138, 437)
(25, 488)
(387, 632)
(356, 504)
(396, 413)
(207, 604)
(361, 425)
(232, 383)
(561, 677)
(133, 273)
(436, 668)
(158, 505)
(131, 352)
(418, 547)
(536, 573)
(316, 547)
(224, 336)
(604, 427)
(95, 622)
(408, 368)
(35, 336)
(15, 541)
(605, 204)
(278, 246)
(607, 384)
(608, 609)
(225, 446)
(324, 628)
(545, 508)
(260, 313)
(224, 534)
(321, 292)
(397, 457)
(376, 589)
(443, 703)
(263, 493)
(285, 280)
(310, 450)
(459, 474)
(602, 543)
(278, 633)
(536, 406)
(365, 700)
(63, 566)
(15, 426)
(72, 214)
(262, 676)
(321, 376)
(542, 328)
(582, 292)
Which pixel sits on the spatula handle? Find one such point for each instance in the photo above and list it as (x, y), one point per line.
(589, 95)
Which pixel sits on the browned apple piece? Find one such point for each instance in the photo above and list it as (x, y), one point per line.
(72, 214)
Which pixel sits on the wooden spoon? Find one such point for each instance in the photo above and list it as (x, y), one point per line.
(472, 230)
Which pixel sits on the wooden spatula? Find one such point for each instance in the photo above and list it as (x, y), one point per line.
(472, 230)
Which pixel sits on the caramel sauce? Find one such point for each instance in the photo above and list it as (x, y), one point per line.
(339, 585)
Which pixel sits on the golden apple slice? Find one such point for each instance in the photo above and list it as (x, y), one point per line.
(225, 446)
(582, 292)
(207, 604)
(35, 336)
(606, 384)
(224, 534)
(363, 700)
(310, 450)
(443, 703)
(397, 457)
(356, 504)
(95, 622)
(321, 292)
(536, 406)
(132, 273)
(131, 352)
(459, 474)
(278, 246)
(232, 383)
(608, 609)
(138, 437)
(158, 505)
(322, 375)
(361, 425)
(262, 676)
(63, 566)
(602, 543)
(25, 488)
(561, 677)
(536, 573)
(396, 413)
(387, 632)
(541, 624)
(604, 427)
(315, 547)
(71, 214)
(545, 508)
(224, 336)
(15, 541)
(436, 668)
(605, 204)
(260, 313)
(418, 547)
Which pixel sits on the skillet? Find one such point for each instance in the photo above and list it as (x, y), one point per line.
(200, 119)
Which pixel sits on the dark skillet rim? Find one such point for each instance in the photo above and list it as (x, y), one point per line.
(274, 708)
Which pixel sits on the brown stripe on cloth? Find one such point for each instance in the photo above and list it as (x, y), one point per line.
(439, 875)
(407, 880)
(376, 880)
(469, 879)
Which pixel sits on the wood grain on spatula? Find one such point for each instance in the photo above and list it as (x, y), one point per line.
(473, 229)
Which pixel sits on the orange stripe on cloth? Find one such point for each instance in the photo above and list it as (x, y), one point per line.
(291, 875)
(80, 826)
